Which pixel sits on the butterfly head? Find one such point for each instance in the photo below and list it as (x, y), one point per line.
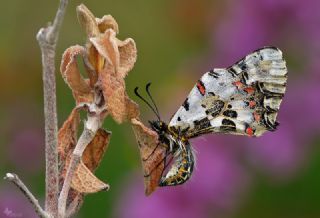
(159, 126)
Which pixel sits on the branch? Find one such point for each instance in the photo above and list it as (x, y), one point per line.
(16, 180)
(90, 129)
(47, 39)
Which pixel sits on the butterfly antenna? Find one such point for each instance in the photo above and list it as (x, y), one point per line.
(150, 96)
(145, 101)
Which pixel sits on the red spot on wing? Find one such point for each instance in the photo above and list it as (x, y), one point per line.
(252, 104)
(249, 90)
(249, 131)
(238, 84)
(201, 87)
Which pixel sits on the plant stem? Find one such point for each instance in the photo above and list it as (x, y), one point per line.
(47, 38)
(90, 129)
(16, 180)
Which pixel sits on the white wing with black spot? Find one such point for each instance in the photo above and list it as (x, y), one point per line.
(242, 99)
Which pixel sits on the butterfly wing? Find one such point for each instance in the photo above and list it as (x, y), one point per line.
(242, 99)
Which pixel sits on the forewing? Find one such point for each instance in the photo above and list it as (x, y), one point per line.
(242, 99)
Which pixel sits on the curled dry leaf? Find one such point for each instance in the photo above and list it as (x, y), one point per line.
(113, 90)
(107, 22)
(94, 152)
(67, 137)
(84, 180)
(87, 20)
(71, 74)
(128, 56)
(152, 155)
(132, 109)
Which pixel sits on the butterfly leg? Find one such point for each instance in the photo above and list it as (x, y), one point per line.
(160, 162)
(145, 159)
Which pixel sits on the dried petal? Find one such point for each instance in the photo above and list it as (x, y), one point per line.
(128, 56)
(132, 108)
(71, 74)
(84, 181)
(114, 94)
(152, 155)
(87, 20)
(92, 69)
(67, 135)
(95, 59)
(121, 54)
(106, 45)
(95, 150)
(107, 22)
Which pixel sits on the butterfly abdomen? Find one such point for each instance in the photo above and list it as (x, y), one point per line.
(182, 168)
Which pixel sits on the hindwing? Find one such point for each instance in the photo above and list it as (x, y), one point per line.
(242, 99)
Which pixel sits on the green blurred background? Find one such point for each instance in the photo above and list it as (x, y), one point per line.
(176, 41)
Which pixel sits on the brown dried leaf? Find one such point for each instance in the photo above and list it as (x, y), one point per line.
(128, 56)
(107, 22)
(67, 136)
(119, 105)
(87, 20)
(152, 156)
(114, 93)
(94, 152)
(71, 74)
(132, 108)
(84, 181)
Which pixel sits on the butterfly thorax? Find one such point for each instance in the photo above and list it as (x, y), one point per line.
(166, 137)
(179, 148)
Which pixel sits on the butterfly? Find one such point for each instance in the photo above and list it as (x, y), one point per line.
(243, 99)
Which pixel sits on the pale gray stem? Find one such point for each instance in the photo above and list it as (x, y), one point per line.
(47, 38)
(53, 35)
(90, 129)
(16, 180)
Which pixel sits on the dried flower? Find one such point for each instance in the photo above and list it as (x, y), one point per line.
(107, 61)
